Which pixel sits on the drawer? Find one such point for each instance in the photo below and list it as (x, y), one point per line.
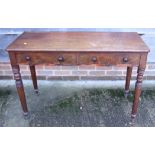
(108, 59)
(52, 58)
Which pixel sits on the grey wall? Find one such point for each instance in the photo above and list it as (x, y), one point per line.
(8, 34)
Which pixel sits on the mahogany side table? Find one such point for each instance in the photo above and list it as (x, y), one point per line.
(77, 48)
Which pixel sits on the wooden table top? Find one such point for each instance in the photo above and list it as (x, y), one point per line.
(79, 41)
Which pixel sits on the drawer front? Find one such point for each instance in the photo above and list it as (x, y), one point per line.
(104, 59)
(52, 58)
(109, 59)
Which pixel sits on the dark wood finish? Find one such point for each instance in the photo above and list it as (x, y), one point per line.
(138, 85)
(34, 78)
(108, 59)
(128, 78)
(19, 83)
(40, 58)
(79, 41)
(78, 58)
(20, 88)
(77, 48)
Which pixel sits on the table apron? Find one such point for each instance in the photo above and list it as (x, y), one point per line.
(58, 58)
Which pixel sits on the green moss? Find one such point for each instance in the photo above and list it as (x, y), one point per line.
(53, 109)
(75, 96)
(96, 97)
(116, 93)
(4, 95)
(93, 92)
(65, 103)
(130, 97)
(147, 94)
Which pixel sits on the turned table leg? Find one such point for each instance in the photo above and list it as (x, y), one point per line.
(20, 88)
(128, 78)
(138, 88)
(34, 78)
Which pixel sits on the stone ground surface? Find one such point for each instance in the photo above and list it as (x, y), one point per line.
(79, 104)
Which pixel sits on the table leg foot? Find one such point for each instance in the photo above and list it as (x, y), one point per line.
(26, 115)
(138, 88)
(126, 93)
(36, 91)
(132, 121)
(20, 87)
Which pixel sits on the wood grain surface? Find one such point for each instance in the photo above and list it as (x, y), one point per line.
(79, 41)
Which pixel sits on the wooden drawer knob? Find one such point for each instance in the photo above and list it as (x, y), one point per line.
(28, 58)
(125, 59)
(94, 59)
(60, 58)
